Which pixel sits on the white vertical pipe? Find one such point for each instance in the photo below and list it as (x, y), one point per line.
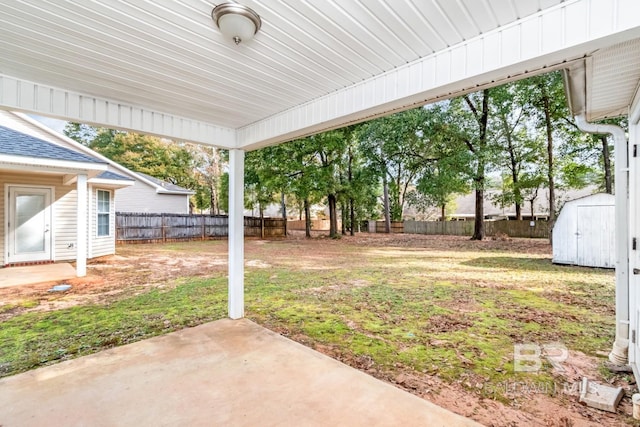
(619, 353)
(81, 220)
(236, 234)
(634, 214)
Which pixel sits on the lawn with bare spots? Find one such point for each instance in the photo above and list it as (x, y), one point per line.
(437, 316)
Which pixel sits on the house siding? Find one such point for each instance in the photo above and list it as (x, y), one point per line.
(100, 245)
(64, 217)
(141, 197)
(64, 205)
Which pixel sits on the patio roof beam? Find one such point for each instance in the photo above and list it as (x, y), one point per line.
(538, 43)
(35, 98)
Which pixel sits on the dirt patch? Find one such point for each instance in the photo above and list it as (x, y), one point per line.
(138, 268)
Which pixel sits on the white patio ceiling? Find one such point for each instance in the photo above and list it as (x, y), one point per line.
(161, 67)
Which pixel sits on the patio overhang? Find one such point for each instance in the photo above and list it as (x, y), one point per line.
(311, 68)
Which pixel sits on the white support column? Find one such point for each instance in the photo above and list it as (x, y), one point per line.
(236, 234)
(81, 219)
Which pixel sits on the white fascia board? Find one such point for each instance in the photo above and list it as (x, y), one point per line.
(538, 43)
(179, 193)
(34, 98)
(111, 183)
(50, 165)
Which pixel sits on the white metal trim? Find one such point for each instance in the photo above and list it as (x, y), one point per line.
(30, 97)
(50, 163)
(94, 191)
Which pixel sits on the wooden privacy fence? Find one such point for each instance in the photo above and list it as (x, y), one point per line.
(396, 227)
(316, 224)
(492, 228)
(151, 228)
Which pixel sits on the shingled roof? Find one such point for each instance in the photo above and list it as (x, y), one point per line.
(114, 176)
(165, 185)
(15, 143)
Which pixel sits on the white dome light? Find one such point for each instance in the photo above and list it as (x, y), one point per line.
(236, 22)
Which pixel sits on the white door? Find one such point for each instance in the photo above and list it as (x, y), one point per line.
(596, 243)
(29, 224)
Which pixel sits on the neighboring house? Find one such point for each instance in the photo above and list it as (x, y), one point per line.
(57, 202)
(465, 205)
(151, 195)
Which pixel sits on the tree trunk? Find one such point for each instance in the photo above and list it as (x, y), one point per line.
(483, 120)
(532, 203)
(284, 212)
(307, 218)
(514, 169)
(443, 209)
(333, 221)
(352, 217)
(261, 220)
(351, 208)
(550, 174)
(606, 159)
(385, 202)
(343, 215)
(212, 200)
(478, 226)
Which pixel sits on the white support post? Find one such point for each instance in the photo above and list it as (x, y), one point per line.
(236, 234)
(81, 219)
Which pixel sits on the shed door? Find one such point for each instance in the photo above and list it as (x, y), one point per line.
(595, 237)
(29, 224)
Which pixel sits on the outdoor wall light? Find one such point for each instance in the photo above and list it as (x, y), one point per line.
(235, 21)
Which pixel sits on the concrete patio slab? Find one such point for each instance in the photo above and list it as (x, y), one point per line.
(224, 373)
(27, 275)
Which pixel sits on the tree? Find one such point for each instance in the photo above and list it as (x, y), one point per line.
(545, 99)
(208, 162)
(163, 159)
(395, 147)
(519, 150)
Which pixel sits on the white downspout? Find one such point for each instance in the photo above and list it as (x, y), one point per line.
(620, 352)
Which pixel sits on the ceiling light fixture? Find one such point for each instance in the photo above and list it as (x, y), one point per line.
(235, 21)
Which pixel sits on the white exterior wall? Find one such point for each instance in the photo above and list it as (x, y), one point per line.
(100, 245)
(64, 217)
(584, 233)
(142, 197)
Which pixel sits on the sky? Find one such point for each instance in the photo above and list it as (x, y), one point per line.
(55, 124)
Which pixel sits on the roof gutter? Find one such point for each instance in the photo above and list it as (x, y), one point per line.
(575, 86)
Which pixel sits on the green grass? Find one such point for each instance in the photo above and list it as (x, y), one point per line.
(454, 314)
(34, 339)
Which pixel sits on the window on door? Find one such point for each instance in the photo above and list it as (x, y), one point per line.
(104, 212)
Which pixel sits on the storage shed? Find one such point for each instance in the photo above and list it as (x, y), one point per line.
(584, 233)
